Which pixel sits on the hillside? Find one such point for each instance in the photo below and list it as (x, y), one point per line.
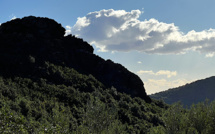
(26, 44)
(51, 83)
(189, 94)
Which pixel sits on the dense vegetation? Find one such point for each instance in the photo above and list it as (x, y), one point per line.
(85, 106)
(27, 43)
(189, 94)
(199, 119)
(51, 83)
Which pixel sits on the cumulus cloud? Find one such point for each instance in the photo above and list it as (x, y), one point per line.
(153, 85)
(168, 73)
(118, 30)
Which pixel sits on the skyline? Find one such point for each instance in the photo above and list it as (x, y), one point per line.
(168, 44)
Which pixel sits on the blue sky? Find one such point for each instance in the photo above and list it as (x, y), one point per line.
(167, 43)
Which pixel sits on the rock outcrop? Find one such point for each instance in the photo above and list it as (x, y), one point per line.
(27, 43)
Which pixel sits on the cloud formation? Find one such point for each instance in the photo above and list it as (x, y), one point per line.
(168, 73)
(118, 30)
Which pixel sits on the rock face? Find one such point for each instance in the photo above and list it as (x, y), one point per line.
(27, 43)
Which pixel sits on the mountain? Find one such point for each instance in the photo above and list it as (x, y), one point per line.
(51, 83)
(26, 44)
(189, 94)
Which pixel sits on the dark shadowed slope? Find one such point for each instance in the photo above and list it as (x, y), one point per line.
(51, 83)
(191, 93)
(27, 44)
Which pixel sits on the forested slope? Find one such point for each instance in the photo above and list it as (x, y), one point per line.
(51, 83)
(189, 94)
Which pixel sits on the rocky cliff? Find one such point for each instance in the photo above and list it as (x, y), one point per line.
(27, 44)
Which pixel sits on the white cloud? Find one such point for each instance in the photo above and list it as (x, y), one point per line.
(209, 55)
(118, 30)
(168, 73)
(68, 30)
(13, 17)
(141, 72)
(153, 86)
(139, 62)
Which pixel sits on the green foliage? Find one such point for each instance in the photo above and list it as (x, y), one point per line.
(201, 117)
(100, 119)
(197, 120)
(175, 119)
(65, 101)
(10, 122)
(62, 100)
(42, 93)
(157, 130)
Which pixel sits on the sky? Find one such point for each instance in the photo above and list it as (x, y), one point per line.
(166, 43)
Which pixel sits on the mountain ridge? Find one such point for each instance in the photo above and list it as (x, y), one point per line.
(32, 41)
(51, 83)
(189, 94)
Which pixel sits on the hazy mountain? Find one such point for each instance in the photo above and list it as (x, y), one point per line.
(191, 93)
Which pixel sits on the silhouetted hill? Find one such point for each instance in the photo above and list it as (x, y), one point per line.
(27, 44)
(189, 94)
(51, 83)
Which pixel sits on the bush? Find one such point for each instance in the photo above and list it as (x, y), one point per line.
(199, 119)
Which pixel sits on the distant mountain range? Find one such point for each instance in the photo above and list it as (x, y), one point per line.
(189, 94)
